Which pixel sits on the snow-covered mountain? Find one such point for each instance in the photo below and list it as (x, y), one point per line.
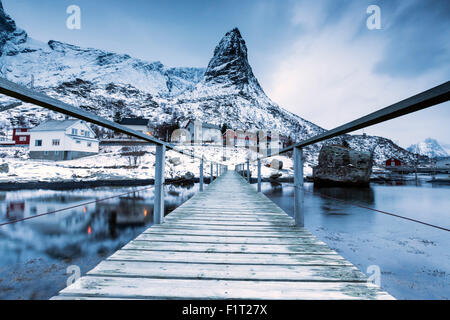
(109, 84)
(429, 147)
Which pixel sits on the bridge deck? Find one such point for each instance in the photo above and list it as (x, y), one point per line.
(228, 242)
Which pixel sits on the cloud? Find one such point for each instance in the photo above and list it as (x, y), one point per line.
(330, 74)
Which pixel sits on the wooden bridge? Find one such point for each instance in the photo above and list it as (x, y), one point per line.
(228, 242)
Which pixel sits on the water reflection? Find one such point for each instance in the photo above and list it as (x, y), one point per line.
(82, 230)
(414, 259)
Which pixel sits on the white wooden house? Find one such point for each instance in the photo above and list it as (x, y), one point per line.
(62, 140)
(202, 132)
(137, 124)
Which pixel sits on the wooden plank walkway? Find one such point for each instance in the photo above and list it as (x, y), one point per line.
(228, 242)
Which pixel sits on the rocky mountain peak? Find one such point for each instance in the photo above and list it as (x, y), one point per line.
(6, 23)
(9, 33)
(229, 66)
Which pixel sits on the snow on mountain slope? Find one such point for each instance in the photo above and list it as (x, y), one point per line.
(109, 84)
(229, 92)
(429, 147)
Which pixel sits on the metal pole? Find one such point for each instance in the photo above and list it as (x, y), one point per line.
(259, 175)
(212, 172)
(217, 170)
(248, 171)
(299, 213)
(158, 211)
(201, 175)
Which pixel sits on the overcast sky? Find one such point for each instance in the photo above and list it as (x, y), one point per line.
(315, 58)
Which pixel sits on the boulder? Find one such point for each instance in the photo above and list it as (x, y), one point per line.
(340, 165)
(175, 161)
(276, 164)
(188, 176)
(275, 176)
(4, 168)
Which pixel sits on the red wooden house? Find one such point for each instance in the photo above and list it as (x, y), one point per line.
(393, 162)
(21, 136)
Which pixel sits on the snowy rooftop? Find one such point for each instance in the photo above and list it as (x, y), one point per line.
(54, 125)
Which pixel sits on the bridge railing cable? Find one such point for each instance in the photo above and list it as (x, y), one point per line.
(423, 100)
(27, 95)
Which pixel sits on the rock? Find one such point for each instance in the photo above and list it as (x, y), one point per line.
(188, 176)
(4, 168)
(275, 176)
(343, 166)
(276, 164)
(175, 161)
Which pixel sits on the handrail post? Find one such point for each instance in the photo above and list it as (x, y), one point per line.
(259, 175)
(201, 175)
(212, 172)
(248, 171)
(217, 170)
(299, 213)
(158, 210)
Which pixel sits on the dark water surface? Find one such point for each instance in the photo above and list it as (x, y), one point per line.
(414, 259)
(35, 254)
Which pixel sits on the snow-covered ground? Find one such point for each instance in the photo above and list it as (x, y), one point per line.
(111, 164)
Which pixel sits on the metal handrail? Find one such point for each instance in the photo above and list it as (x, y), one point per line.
(423, 100)
(26, 95)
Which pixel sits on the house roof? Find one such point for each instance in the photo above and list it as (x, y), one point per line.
(204, 125)
(134, 121)
(54, 125)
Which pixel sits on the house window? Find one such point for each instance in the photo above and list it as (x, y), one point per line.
(86, 134)
(38, 143)
(23, 139)
(55, 142)
(78, 141)
(89, 144)
(75, 132)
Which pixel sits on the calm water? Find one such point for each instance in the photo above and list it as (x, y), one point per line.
(35, 254)
(414, 259)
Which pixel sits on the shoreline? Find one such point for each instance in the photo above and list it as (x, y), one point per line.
(69, 185)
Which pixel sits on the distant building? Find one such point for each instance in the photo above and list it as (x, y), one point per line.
(62, 140)
(137, 124)
(203, 132)
(252, 139)
(393, 162)
(21, 136)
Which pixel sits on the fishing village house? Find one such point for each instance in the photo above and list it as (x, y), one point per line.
(137, 124)
(201, 132)
(62, 140)
(20, 138)
(253, 139)
(394, 162)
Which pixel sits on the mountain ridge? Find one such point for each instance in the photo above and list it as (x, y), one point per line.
(112, 84)
(429, 147)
